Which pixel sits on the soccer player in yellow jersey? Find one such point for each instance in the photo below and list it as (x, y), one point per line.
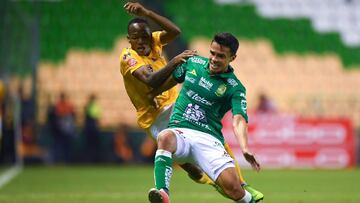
(137, 65)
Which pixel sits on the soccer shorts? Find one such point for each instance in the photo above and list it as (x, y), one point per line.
(161, 122)
(203, 150)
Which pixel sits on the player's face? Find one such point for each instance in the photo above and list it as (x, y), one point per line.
(220, 57)
(139, 37)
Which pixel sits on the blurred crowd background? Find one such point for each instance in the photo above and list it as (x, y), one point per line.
(63, 99)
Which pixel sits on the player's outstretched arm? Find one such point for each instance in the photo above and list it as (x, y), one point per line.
(241, 129)
(171, 31)
(156, 79)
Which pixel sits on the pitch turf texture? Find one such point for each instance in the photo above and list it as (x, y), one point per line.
(119, 184)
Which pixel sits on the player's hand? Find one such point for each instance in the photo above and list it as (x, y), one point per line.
(252, 160)
(181, 58)
(152, 99)
(136, 9)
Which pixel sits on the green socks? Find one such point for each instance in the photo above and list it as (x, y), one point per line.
(163, 169)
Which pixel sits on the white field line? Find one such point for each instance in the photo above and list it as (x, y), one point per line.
(9, 174)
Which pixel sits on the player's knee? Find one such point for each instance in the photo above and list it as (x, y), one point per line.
(234, 191)
(167, 141)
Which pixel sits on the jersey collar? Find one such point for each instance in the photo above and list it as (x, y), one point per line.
(153, 54)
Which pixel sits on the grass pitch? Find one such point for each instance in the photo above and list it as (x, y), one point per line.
(129, 184)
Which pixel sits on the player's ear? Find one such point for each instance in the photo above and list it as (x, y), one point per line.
(232, 58)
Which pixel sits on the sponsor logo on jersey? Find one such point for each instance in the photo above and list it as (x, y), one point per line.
(193, 72)
(198, 60)
(126, 55)
(205, 84)
(190, 79)
(244, 105)
(131, 62)
(232, 82)
(179, 131)
(193, 95)
(179, 70)
(194, 114)
(168, 174)
(220, 90)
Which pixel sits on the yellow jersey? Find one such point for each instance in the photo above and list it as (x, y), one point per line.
(130, 61)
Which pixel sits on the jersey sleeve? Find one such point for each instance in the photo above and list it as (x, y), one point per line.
(239, 104)
(156, 37)
(179, 73)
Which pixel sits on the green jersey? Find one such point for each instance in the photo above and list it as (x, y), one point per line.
(205, 97)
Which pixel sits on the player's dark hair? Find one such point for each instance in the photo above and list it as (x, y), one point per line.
(228, 40)
(136, 20)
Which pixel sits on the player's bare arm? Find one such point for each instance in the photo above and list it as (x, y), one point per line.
(168, 84)
(155, 79)
(240, 131)
(171, 31)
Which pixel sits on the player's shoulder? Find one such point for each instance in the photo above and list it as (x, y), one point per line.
(235, 83)
(127, 53)
(156, 34)
(128, 59)
(156, 38)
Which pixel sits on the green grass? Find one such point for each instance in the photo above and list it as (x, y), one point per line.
(107, 184)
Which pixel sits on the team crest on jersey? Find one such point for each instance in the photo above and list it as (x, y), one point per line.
(220, 90)
(193, 72)
(131, 62)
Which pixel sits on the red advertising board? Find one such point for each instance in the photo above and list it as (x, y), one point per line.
(287, 141)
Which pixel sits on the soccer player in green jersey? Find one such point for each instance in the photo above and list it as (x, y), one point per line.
(210, 89)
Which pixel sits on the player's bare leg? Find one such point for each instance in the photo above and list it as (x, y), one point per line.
(228, 180)
(257, 195)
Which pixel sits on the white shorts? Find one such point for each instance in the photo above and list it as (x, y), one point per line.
(203, 150)
(161, 122)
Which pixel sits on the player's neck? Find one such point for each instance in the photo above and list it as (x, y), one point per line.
(220, 72)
